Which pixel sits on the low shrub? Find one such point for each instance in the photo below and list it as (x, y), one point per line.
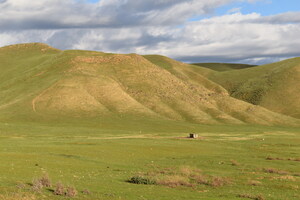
(45, 180)
(141, 180)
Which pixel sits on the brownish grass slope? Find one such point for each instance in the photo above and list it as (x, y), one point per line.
(81, 84)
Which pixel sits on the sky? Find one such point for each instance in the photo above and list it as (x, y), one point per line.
(237, 31)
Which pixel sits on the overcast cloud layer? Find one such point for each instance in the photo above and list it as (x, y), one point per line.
(153, 27)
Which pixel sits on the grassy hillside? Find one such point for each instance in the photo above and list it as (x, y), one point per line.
(223, 66)
(42, 83)
(274, 86)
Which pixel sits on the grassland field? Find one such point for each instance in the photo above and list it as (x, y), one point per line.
(102, 161)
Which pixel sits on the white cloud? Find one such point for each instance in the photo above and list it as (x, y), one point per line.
(152, 27)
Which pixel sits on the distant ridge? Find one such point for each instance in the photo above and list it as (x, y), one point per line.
(274, 86)
(43, 83)
(224, 66)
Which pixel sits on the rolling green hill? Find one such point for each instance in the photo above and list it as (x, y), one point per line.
(273, 86)
(45, 84)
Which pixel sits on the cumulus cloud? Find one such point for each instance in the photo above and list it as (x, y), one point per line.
(57, 14)
(152, 27)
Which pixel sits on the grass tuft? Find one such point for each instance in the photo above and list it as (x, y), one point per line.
(37, 186)
(59, 189)
(45, 180)
(71, 191)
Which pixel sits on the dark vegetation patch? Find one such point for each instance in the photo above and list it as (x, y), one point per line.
(250, 196)
(141, 180)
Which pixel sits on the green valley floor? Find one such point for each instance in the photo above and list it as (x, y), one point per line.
(248, 162)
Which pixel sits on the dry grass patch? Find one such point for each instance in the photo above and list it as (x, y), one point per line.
(254, 183)
(287, 177)
(184, 176)
(219, 181)
(18, 196)
(201, 179)
(189, 171)
(175, 181)
(272, 158)
(44, 181)
(37, 186)
(289, 159)
(235, 163)
(294, 159)
(275, 171)
(21, 186)
(249, 196)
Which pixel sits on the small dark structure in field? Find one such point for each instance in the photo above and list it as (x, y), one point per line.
(194, 135)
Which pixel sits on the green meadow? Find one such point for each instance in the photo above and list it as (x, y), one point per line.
(102, 161)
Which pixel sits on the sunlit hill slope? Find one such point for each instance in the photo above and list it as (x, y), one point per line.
(273, 86)
(39, 82)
